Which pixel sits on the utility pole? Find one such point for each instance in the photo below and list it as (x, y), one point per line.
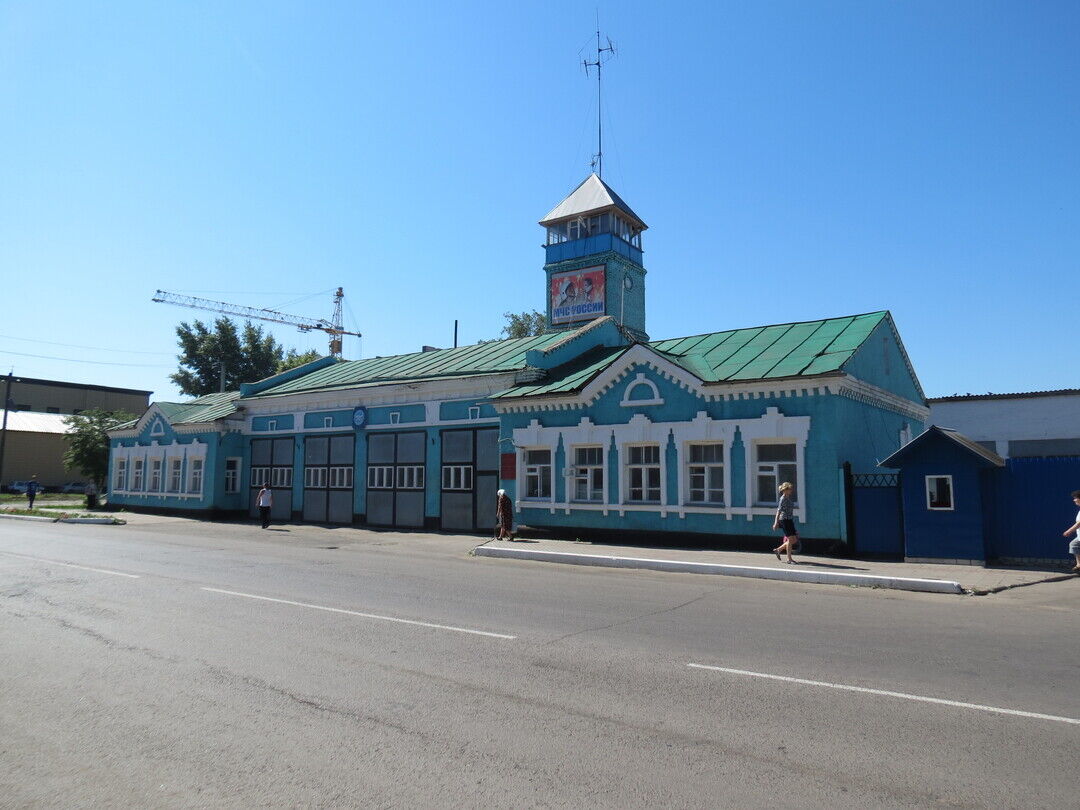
(3, 429)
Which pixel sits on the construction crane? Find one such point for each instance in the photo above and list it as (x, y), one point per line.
(332, 327)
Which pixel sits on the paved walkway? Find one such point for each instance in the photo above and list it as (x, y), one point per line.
(929, 577)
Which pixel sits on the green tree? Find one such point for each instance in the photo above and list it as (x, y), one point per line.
(524, 324)
(247, 355)
(295, 358)
(88, 443)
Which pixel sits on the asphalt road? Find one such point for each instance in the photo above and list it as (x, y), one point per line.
(172, 663)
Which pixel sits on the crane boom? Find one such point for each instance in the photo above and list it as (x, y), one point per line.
(332, 328)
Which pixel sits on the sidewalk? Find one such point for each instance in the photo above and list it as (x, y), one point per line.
(927, 577)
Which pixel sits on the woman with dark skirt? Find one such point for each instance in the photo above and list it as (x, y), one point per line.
(785, 519)
(504, 514)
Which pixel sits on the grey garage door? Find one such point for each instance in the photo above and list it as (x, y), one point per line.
(470, 479)
(328, 479)
(395, 479)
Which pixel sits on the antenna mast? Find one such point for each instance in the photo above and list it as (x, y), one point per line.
(598, 158)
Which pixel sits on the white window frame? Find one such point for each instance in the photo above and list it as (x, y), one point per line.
(952, 494)
(328, 421)
(232, 477)
(280, 477)
(154, 480)
(175, 474)
(457, 476)
(410, 476)
(537, 471)
(584, 473)
(195, 476)
(120, 475)
(756, 466)
(138, 474)
(706, 468)
(395, 417)
(629, 467)
(474, 411)
(341, 476)
(380, 476)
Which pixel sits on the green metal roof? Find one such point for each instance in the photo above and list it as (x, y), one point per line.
(496, 357)
(204, 409)
(804, 349)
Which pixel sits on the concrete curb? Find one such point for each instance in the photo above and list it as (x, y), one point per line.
(792, 574)
(27, 517)
(99, 521)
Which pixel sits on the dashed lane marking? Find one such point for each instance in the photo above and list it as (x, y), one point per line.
(886, 693)
(70, 565)
(373, 616)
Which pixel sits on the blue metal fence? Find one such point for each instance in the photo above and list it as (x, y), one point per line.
(878, 524)
(1027, 506)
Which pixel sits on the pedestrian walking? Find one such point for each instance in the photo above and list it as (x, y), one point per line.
(32, 489)
(785, 519)
(1074, 545)
(265, 500)
(504, 516)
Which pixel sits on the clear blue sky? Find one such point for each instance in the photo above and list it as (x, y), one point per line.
(794, 160)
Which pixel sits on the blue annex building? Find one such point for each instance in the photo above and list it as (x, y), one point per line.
(591, 425)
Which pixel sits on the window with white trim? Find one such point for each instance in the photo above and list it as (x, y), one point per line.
(474, 411)
(260, 476)
(271, 424)
(643, 473)
(120, 475)
(457, 476)
(705, 474)
(395, 417)
(538, 474)
(328, 421)
(380, 476)
(175, 469)
(939, 493)
(774, 463)
(588, 474)
(155, 475)
(410, 476)
(315, 477)
(137, 475)
(232, 475)
(195, 476)
(281, 477)
(341, 477)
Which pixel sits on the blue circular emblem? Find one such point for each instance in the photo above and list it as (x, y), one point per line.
(359, 417)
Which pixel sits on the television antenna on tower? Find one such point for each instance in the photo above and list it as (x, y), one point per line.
(601, 59)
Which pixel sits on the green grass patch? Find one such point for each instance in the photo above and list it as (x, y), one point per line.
(8, 497)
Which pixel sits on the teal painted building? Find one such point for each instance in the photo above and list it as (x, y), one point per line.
(591, 425)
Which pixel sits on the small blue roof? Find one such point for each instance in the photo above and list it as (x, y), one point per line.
(935, 433)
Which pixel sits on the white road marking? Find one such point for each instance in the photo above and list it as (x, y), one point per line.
(887, 693)
(363, 615)
(71, 565)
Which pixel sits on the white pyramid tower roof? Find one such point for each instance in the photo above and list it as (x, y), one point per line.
(593, 196)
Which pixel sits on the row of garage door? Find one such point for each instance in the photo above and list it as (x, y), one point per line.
(395, 478)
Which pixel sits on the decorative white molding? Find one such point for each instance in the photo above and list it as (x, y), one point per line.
(774, 427)
(641, 380)
(868, 394)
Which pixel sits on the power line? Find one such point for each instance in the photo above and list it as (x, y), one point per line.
(81, 346)
(93, 362)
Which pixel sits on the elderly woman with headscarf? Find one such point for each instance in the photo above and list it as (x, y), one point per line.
(504, 515)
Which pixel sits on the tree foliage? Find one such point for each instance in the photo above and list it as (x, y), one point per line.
(294, 358)
(88, 443)
(524, 324)
(247, 355)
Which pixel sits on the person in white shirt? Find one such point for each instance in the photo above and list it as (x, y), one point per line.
(1074, 546)
(264, 500)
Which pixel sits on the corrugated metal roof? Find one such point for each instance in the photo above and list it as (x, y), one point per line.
(896, 459)
(572, 376)
(495, 357)
(34, 422)
(1060, 392)
(592, 195)
(803, 349)
(204, 409)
